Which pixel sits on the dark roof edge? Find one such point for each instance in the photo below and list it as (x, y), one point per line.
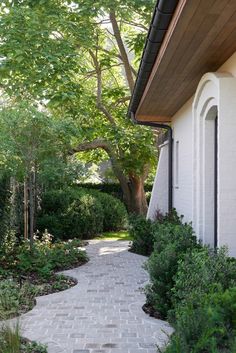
(161, 19)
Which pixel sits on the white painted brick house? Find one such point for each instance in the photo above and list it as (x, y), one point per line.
(187, 84)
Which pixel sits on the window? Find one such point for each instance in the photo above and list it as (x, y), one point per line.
(177, 164)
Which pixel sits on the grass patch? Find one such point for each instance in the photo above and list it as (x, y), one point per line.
(121, 235)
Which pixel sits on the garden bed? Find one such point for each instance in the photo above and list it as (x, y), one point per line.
(18, 295)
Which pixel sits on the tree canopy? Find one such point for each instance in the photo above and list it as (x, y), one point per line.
(79, 59)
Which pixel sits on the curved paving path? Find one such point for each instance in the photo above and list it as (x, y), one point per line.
(102, 313)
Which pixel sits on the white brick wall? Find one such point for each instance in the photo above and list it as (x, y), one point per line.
(182, 132)
(190, 174)
(159, 198)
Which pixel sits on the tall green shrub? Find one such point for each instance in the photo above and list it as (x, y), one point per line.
(115, 214)
(171, 243)
(199, 272)
(209, 327)
(141, 231)
(78, 212)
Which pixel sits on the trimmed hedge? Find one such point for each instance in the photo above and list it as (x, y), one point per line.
(80, 213)
(113, 189)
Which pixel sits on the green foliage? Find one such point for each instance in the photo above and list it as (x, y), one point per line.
(192, 285)
(144, 232)
(114, 189)
(141, 230)
(14, 297)
(70, 213)
(58, 53)
(10, 339)
(4, 208)
(45, 257)
(199, 272)
(210, 327)
(171, 241)
(115, 214)
(78, 212)
(11, 342)
(33, 347)
(25, 137)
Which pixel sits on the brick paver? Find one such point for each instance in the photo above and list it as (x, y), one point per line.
(103, 312)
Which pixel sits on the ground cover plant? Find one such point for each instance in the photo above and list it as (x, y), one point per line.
(12, 342)
(28, 272)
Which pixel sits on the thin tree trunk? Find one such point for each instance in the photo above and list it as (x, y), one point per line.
(35, 195)
(31, 207)
(26, 210)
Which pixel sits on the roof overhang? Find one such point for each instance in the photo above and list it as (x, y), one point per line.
(200, 37)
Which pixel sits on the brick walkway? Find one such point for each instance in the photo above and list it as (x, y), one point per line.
(103, 312)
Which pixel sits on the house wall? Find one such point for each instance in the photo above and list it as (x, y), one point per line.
(182, 163)
(185, 175)
(159, 197)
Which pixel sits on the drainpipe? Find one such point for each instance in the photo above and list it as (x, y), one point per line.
(170, 154)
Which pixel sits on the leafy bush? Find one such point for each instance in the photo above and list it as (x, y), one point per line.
(199, 272)
(171, 243)
(44, 258)
(144, 232)
(141, 230)
(47, 257)
(210, 327)
(112, 189)
(115, 214)
(70, 213)
(81, 213)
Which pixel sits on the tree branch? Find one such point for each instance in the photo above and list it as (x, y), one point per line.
(125, 59)
(135, 24)
(122, 100)
(100, 106)
(108, 148)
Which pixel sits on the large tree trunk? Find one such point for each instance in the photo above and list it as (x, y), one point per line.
(134, 196)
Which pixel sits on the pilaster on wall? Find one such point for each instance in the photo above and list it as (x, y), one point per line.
(159, 198)
(215, 96)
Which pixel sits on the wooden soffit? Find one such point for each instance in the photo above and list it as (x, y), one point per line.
(200, 38)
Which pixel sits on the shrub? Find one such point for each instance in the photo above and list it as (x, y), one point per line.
(81, 213)
(171, 243)
(45, 257)
(70, 213)
(112, 189)
(141, 231)
(115, 214)
(199, 272)
(210, 327)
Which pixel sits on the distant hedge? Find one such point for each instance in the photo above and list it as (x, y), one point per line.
(113, 189)
(80, 212)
